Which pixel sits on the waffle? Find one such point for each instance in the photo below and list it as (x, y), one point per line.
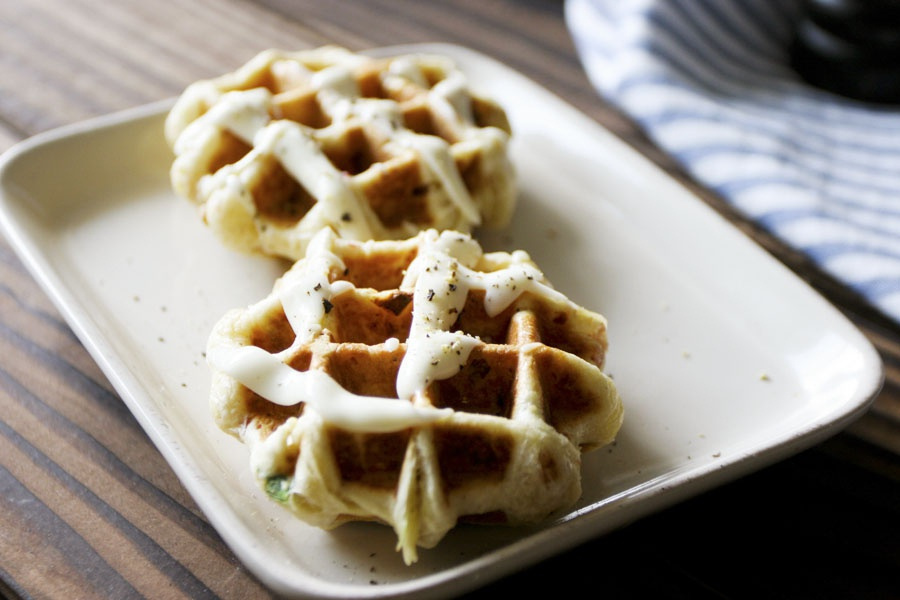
(419, 383)
(373, 148)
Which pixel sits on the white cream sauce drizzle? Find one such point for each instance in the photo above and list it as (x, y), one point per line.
(241, 113)
(308, 290)
(247, 114)
(340, 97)
(268, 376)
(440, 279)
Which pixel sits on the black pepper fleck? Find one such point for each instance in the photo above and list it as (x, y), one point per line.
(328, 305)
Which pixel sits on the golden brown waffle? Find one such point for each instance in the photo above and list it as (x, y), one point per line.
(418, 383)
(373, 148)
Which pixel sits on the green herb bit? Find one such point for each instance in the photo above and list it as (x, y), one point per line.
(278, 487)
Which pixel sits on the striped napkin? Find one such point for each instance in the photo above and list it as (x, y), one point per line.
(709, 82)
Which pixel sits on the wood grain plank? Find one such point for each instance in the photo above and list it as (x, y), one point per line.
(40, 551)
(68, 61)
(108, 504)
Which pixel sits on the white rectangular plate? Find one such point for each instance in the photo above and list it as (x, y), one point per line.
(726, 361)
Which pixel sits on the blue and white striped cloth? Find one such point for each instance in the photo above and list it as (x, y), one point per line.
(709, 81)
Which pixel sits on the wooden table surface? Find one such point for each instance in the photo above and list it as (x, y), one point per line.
(90, 509)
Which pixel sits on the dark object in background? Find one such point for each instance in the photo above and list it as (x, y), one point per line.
(850, 47)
